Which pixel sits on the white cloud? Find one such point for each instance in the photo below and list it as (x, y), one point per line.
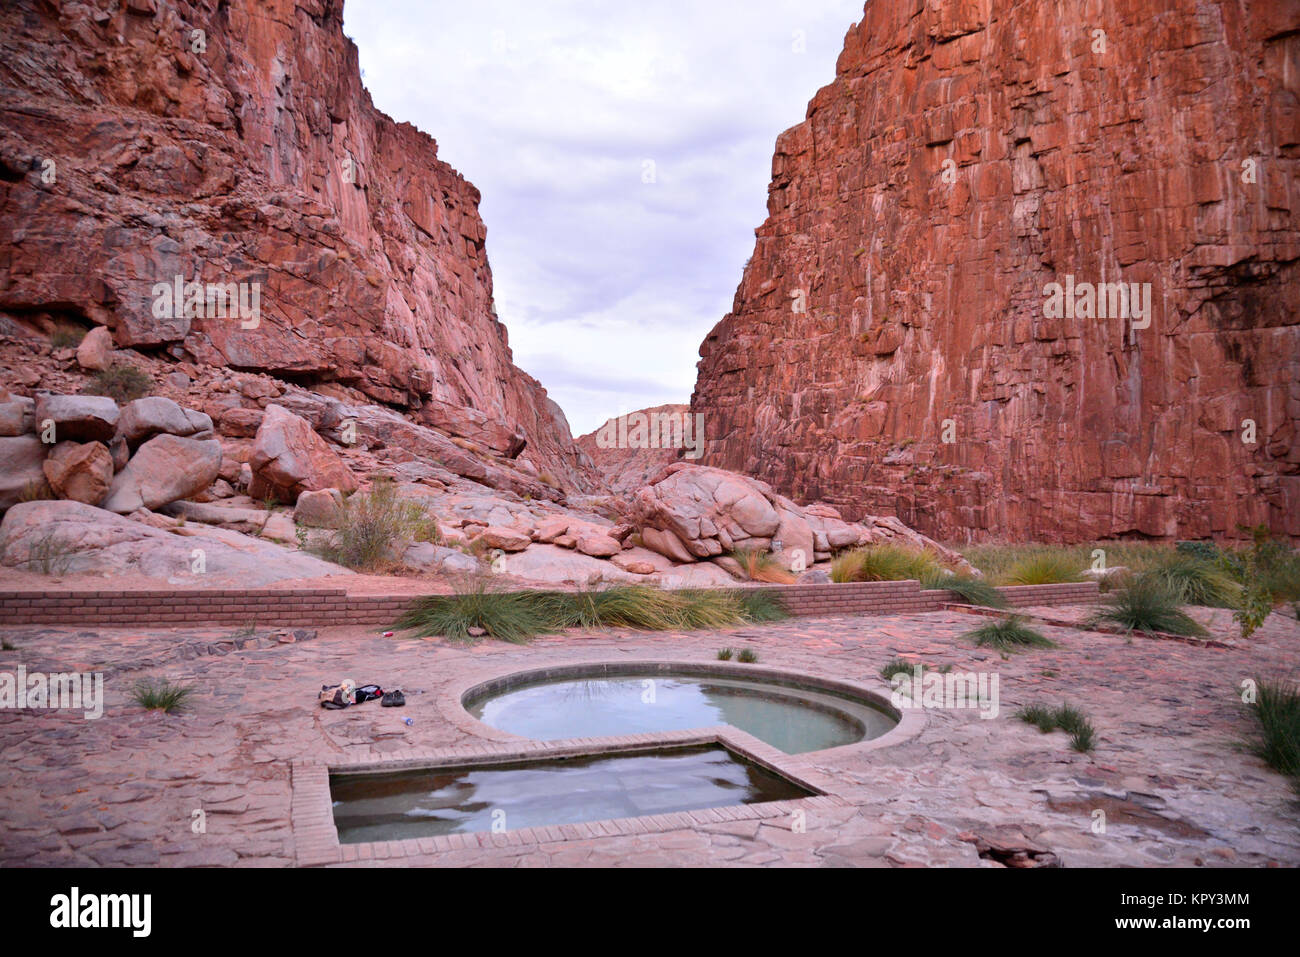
(607, 284)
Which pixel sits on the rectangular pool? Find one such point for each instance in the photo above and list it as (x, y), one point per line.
(425, 802)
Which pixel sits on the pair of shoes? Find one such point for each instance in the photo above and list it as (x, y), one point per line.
(393, 699)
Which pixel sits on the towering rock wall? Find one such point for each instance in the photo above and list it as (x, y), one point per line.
(231, 141)
(970, 153)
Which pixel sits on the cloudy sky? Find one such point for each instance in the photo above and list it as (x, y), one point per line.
(623, 151)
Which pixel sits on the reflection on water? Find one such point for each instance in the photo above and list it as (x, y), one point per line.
(793, 720)
(389, 807)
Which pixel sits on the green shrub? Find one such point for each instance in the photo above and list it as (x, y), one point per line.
(122, 383)
(1277, 715)
(1206, 551)
(1146, 604)
(974, 591)
(1044, 568)
(375, 526)
(66, 336)
(160, 694)
(760, 565)
(876, 563)
(1195, 580)
(1009, 634)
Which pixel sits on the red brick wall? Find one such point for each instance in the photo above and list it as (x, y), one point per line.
(321, 607)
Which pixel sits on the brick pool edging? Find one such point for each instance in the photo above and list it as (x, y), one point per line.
(319, 607)
(316, 840)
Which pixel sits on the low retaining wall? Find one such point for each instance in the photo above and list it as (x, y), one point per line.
(320, 607)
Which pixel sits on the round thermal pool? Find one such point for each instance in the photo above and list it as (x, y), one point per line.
(791, 717)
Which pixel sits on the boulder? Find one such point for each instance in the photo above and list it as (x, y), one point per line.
(17, 415)
(164, 469)
(319, 509)
(78, 471)
(239, 422)
(154, 415)
(597, 545)
(708, 510)
(506, 539)
(289, 458)
(100, 542)
(95, 353)
(78, 418)
(21, 457)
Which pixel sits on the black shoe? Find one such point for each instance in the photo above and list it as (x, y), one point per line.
(393, 699)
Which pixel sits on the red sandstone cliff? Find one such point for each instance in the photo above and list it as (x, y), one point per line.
(231, 142)
(885, 297)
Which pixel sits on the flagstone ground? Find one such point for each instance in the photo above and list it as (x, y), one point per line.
(1169, 771)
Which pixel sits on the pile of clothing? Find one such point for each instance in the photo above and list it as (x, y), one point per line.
(347, 693)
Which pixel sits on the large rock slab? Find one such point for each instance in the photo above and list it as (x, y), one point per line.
(21, 458)
(289, 458)
(555, 565)
(163, 470)
(77, 418)
(79, 471)
(101, 542)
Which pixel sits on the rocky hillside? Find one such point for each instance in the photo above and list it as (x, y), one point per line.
(896, 344)
(148, 145)
(629, 449)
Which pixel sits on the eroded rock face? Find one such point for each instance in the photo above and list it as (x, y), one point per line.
(629, 449)
(966, 156)
(258, 167)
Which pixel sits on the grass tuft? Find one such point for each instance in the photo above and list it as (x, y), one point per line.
(1195, 580)
(1277, 715)
(161, 694)
(1146, 604)
(1009, 634)
(879, 563)
(1044, 568)
(1083, 736)
(726, 654)
(974, 591)
(747, 656)
(521, 615)
(760, 565)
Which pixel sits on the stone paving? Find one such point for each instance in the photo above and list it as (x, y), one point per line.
(1169, 772)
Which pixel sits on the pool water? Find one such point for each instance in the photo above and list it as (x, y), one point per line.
(424, 803)
(794, 720)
